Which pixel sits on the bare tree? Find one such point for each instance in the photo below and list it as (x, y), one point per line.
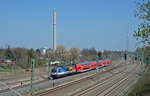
(61, 49)
(21, 57)
(61, 53)
(85, 52)
(1, 54)
(92, 51)
(74, 53)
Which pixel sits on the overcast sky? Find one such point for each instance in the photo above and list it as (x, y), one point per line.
(79, 23)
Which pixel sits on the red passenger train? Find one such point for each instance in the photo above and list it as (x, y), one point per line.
(79, 67)
(86, 66)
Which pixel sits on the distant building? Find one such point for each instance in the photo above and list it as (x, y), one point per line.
(43, 50)
(49, 51)
(7, 62)
(102, 51)
(55, 62)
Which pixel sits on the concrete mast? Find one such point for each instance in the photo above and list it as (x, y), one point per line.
(54, 30)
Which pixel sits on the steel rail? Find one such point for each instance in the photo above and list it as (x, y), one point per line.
(91, 88)
(73, 83)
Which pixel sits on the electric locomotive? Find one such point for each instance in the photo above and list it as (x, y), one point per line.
(58, 72)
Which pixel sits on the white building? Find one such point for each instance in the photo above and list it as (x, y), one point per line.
(43, 50)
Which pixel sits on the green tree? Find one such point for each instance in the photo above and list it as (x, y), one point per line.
(31, 55)
(100, 55)
(38, 52)
(142, 33)
(142, 12)
(9, 54)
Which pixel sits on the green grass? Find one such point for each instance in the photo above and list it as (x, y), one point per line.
(142, 87)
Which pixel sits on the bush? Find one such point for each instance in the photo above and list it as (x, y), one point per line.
(142, 88)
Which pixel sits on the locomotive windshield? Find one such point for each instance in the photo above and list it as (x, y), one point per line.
(54, 70)
(67, 69)
(61, 70)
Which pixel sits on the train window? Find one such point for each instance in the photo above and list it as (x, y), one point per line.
(79, 67)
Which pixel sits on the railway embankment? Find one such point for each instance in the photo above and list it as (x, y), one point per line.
(142, 87)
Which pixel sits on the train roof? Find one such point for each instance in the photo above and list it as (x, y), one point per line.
(108, 60)
(68, 66)
(101, 60)
(58, 68)
(84, 63)
(92, 61)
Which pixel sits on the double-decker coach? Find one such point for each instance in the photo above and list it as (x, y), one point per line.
(93, 65)
(100, 63)
(105, 63)
(81, 67)
(108, 61)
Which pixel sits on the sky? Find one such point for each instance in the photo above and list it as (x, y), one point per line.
(101, 24)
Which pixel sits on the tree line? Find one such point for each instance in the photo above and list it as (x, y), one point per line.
(22, 56)
(142, 33)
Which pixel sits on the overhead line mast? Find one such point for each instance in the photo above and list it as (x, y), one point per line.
(127, 42)
(128, 37)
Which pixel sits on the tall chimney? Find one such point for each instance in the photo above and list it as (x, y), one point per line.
(54, 30)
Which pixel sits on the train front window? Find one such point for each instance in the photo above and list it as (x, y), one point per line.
(67, 69)
(54, 70)
(61, 70)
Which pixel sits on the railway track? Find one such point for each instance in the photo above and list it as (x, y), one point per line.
(45, 81)
(111, 89)
(74, 83)
(16, 82)
(107, 90)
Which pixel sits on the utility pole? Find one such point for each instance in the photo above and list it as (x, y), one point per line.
(48, 72)
(143, 65)
(97, 68)
(97, 71)
(32, 93)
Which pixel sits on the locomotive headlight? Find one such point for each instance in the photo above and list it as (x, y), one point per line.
(53, 73)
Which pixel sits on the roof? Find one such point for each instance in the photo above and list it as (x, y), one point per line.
(84, 63)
